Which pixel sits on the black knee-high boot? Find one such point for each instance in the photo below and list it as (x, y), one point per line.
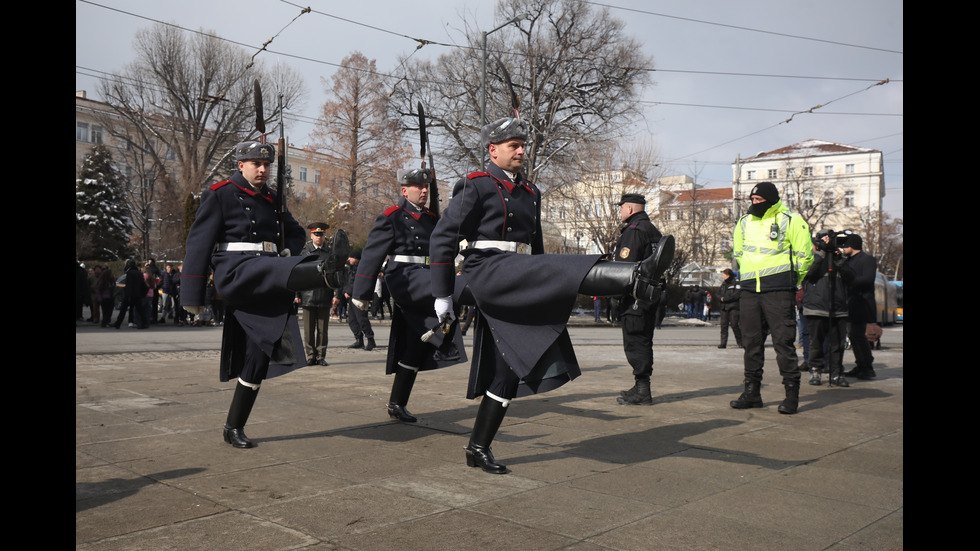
(330, 272)
(401, 389)
(638, 279)
(488, 419)
(241, 408)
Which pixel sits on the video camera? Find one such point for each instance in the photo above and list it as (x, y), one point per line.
(837, 239)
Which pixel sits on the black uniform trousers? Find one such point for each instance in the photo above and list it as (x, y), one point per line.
(359, 322)
(777, 311)
(638, 327)
(730, 318)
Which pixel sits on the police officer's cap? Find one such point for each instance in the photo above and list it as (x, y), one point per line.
(415, 176)
(501, 130)
(318, 227)
(255, 151)
(632, 198)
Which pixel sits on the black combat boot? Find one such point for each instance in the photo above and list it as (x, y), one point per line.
(488, 419)
(241, 407)
(358, 343)
(750, 398)
(639, 395)
(370, 344)
(792, 401)
(401, 389)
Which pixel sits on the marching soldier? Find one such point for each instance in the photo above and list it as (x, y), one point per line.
(237, 235)
(401, 236)
(524, 297)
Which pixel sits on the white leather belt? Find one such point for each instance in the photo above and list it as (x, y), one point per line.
(265, 246)
(411, 259)
(509, 246)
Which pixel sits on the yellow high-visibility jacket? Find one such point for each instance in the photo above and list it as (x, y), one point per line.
(773, 251)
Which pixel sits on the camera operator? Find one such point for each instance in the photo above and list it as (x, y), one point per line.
(825, 309)
(858, 273)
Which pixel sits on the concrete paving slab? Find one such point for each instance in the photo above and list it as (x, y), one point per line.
(333, 471)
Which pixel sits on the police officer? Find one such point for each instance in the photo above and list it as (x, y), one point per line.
(236, 233)
(316, 303)
(635, 243)
(773, 249)
(401, 236)
(524, 297)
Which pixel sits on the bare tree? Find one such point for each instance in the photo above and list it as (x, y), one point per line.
(355, 129)
(586, 206)
(575, 72)
(182, 104)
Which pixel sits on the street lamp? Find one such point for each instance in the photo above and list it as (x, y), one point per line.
(483, 82)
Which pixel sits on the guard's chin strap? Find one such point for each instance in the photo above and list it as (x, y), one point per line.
(408, 367)
(503, 402)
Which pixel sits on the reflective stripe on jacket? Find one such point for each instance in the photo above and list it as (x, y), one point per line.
(773, 250)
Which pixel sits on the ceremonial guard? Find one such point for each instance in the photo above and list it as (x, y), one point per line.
(253, 250)
(401, 236)
(639, 317)
(524, 296)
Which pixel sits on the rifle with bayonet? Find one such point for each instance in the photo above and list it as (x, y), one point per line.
(423, 145)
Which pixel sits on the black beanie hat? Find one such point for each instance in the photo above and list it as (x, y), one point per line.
(767, 191)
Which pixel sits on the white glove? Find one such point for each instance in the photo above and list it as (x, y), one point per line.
(444, 309)
(195, 310)
(360, 304)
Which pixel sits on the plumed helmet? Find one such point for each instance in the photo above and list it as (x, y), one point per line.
(501, 130)
(255, 151)
(415, 176)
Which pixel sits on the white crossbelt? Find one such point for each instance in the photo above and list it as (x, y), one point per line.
(265, 246)
(411, 259)
(510, 246)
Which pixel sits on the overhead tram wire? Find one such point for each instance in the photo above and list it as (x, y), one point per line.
(742, 28)
(786, 121)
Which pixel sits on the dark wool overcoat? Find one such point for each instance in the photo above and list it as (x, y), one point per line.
(404, 230)
(258, 305)
(524, 300)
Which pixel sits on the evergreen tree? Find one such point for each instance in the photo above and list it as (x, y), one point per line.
(102, 222)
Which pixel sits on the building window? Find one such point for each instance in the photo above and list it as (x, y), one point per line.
(772, 173)
(790, 200)
(81, 131)
(750, 175)
(170, 156)
(849, 168)
(316, 176)
(828, 199)
(849, 200)
(808, 171)
(828, 170)
(790, 172)
(808, 199)
(302, 174)
(96, 133)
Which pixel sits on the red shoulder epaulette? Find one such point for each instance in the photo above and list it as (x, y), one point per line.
(218, 185)
(391, 210)
(477, 174)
